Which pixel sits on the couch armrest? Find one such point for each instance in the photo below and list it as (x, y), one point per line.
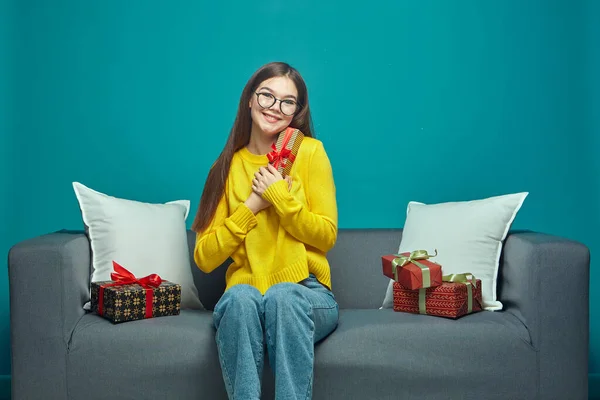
(544, 281)
(48, 283)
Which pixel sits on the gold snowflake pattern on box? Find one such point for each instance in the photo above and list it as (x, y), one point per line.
(128, 302)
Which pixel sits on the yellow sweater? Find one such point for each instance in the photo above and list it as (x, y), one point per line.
(284, 242)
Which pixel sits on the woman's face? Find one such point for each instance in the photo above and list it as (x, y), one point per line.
(276, 97)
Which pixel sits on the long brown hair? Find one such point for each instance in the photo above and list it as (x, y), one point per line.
(240, 136)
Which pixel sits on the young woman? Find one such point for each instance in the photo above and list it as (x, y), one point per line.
(277, 232)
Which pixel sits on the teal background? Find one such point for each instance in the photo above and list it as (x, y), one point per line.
(593, 113)
(7, 18)
(430, 101)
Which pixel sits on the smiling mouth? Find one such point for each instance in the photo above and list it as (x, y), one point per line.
(270, 118)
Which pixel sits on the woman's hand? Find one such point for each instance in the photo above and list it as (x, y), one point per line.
(256, 203)
(264, 178)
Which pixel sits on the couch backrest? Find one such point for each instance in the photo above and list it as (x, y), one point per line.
(357, 278)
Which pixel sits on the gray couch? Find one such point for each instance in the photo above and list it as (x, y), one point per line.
(536, 348)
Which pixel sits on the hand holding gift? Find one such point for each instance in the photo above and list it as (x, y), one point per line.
(256, 203)
(264, 178)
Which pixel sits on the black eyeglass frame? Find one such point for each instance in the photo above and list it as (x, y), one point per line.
(298, 106)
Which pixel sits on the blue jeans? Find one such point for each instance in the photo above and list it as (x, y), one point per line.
(290, 318)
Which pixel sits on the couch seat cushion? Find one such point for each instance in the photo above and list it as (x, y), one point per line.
(373, 354)
(383, 354)
(167, 357)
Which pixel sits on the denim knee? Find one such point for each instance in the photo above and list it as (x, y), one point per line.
(239, 302)
(285, 297)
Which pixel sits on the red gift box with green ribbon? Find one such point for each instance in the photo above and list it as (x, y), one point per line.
(128, 298)
(458, 295)
(412, 270)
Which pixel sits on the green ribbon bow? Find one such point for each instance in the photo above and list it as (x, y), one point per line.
(401, 261)
(461, 278)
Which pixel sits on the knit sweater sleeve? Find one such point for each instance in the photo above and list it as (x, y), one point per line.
(316, 224)
(222, 237)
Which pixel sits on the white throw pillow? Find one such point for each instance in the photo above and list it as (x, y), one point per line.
(468, 236)
(144, 238)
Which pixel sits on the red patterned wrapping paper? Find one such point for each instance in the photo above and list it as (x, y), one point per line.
(449, 300)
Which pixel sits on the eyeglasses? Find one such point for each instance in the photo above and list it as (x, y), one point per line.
(287, 107)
